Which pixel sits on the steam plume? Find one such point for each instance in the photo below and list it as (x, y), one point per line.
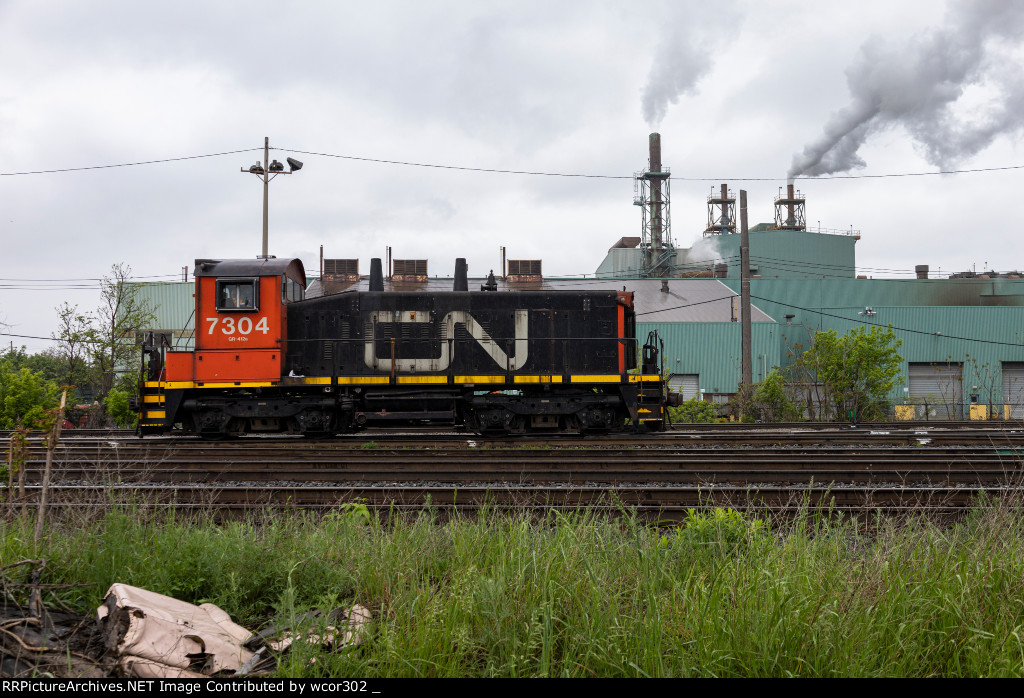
(684, 53)
(916, 84)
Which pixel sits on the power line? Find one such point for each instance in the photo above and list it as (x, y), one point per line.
(48, 339)
(913, 174)
(89, 278)
(495, 170)
(684, 179)
(689, 305)
(490, 170)
(127, 164)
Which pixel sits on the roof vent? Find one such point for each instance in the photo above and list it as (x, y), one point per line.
(409, 270)
(520, 270)
(341, 269)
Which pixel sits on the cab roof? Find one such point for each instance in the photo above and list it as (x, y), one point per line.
(261, 266)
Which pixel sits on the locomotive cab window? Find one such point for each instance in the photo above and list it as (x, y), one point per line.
(292, 291)
(238, 294)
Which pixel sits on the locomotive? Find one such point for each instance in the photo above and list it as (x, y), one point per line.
(266, 359)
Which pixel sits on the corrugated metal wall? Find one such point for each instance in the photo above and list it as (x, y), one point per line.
(621, 262)
(711, 350)
(811, 300)
(773, 254)
(174, 306)
(975, 322)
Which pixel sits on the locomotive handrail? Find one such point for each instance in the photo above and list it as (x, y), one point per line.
(191, 336)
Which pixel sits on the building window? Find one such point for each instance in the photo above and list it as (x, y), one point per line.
(238, 294)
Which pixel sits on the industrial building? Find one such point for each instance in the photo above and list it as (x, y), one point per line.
(962, 336)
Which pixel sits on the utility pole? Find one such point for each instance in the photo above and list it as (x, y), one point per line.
(747, 363)
(266, 171)
(266, 194)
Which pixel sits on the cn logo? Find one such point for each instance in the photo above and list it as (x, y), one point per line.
(441, 363)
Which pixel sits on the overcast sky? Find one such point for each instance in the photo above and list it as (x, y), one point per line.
(737, 90)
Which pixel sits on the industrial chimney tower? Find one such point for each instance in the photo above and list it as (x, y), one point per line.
(721, 212)
(651, 194)
(789, 210)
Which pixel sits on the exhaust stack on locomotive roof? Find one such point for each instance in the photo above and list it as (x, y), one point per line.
(461, 275)
(376, 275)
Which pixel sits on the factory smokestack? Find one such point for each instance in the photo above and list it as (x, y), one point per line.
(651, 191)
(656, 205)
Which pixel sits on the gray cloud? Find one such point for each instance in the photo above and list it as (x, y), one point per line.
(917, 84)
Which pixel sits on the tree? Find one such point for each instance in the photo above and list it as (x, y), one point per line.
(74, 336)
(45, 363)
(121, 315)
(856, 371)
(771, 401)
(25, 397)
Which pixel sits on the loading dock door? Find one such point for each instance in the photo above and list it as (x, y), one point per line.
(1013, 388)
(686, 383)
(938, 389)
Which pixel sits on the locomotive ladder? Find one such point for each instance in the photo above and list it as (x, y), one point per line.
(152, 397)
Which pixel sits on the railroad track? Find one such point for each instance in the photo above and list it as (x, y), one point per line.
(195, 462)
(659, 477)
(662, 503)
(947, 432)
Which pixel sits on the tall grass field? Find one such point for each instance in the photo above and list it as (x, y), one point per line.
(578, 595)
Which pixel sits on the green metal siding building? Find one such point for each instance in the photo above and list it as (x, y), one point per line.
(968, 330)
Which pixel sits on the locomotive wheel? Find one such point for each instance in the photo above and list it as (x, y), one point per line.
(215, 426)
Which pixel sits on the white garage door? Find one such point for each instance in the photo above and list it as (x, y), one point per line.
(686, 383)
(1013, 388)
(938, 388)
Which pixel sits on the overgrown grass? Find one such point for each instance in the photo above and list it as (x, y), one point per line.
(578, 595)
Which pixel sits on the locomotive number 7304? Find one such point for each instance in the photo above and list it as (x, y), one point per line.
(243, 325)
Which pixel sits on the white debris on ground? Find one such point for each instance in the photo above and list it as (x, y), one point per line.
(156, 636)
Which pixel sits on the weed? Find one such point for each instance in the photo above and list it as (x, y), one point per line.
(571, 593)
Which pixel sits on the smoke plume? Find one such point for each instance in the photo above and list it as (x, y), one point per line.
(916, 84)
(684, 53)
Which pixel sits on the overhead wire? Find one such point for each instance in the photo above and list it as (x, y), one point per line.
(128, 164)
(684, 179)
(491, 170)
(496, 170)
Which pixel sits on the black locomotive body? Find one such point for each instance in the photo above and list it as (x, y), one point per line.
(491, 361)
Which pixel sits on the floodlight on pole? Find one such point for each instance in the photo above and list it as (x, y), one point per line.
(266, 171)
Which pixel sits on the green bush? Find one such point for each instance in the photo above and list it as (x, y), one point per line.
(116, 405)
(771, 402)
(694, 411)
